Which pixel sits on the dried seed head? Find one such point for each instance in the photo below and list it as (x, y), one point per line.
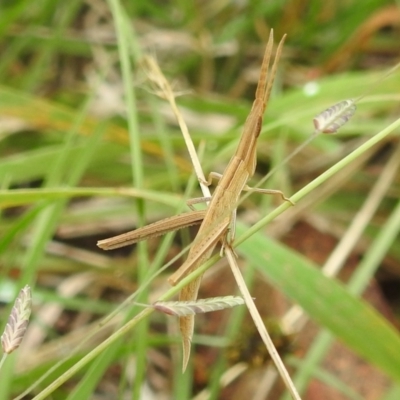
(183, 308)
(18, 321)
(330, 120)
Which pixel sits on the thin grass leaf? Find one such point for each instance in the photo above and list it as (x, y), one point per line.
(18, 321)
(330, 120)
(183, 308)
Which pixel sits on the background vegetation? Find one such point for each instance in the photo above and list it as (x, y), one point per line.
(88, 150)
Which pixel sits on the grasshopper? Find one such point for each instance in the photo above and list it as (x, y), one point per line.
(219, 218)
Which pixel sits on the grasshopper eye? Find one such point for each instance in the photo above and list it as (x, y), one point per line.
(330, 120)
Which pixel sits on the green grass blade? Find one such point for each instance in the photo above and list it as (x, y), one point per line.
(327, 302)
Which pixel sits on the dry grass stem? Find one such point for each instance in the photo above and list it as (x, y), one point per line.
(156, 76)
(260, 325)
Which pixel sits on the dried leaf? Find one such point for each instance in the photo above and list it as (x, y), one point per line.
(330, 120)
(18, 321)
(184, 308)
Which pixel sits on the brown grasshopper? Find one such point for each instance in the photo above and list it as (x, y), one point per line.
(219, 217)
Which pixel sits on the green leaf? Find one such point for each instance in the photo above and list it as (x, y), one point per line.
(327, 302)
